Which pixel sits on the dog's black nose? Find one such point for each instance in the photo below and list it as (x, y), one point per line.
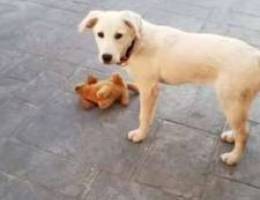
(107, 58)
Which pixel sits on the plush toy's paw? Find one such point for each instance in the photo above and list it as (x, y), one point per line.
(86, 104)
(104, 104)
(228, 136)
(136, 136)
(230, 158)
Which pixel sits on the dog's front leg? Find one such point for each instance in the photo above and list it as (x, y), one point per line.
(148, 96)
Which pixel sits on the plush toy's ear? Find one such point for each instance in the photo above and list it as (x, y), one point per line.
(91, 79)
(117, 79)
(78, 88)
(133, 21)
(89, 21)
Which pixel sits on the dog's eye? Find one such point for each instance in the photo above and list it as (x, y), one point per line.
(118, 36)
(100, 34)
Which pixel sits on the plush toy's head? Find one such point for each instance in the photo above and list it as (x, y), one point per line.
(87, 88)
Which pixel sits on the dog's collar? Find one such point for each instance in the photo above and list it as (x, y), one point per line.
(128, 53)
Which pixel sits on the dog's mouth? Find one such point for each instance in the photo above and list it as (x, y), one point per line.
(128, 53)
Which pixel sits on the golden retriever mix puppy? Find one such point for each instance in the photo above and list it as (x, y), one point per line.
(154, 53)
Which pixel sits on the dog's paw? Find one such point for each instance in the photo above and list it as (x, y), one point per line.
(230, 158)
(136, 136)
(228, 136)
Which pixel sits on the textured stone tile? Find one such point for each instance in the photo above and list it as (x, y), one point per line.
(37, 37)
(249, 7)
(168, 18)
(250, 36)
(7, 87)
(15, 24)
(15, 157)
(73, 6)
(209, 3)
(34, 65)
(76, 47)
(107, 186)
(15, 189)
(175, 102)
(215, 28)
(178, 161)
(9, 59)
(191, 105)
(230, 17)
(42, 88)
(247, 171)
(222, 189)
(255, 110)
(205, 112)
(55, 173)
(182, 8)
(13, 113)
(56, 126)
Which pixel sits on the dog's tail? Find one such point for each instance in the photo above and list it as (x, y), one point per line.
(133, 87)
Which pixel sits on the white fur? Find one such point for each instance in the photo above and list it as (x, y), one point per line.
(164, 54)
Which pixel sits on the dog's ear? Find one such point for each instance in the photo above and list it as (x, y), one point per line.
(91, 79)
(89, 21)
(133, 21)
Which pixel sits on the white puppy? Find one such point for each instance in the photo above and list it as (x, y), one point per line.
(154, 53)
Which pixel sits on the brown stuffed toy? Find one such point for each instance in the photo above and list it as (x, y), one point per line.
(104, 93)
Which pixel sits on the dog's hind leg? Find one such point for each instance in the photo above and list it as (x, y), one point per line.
(236, 106)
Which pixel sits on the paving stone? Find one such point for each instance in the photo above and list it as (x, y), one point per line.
(15, 189)
(15, 157)
(235, 18)
(34, 65)
(107, 186)
(8, 86)
(176, 164)
(13, 113)
(55, 173)
(209, 3)
(255, 110)
(193, 106)
(37, 37)
(175, 102)
(182, 8)
(10, 59)
(250, 36)
(247, 171)
(75, 47)
(15, 23)
(215, 28)
(206, 113)
(249, 7)
(222, 189)
(175, 20)
(42, 88)
(73, 6)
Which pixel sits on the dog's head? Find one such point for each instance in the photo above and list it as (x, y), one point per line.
(116, 33)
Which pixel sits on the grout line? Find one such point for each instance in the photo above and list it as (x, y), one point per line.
(236, 181)
(209, 133)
